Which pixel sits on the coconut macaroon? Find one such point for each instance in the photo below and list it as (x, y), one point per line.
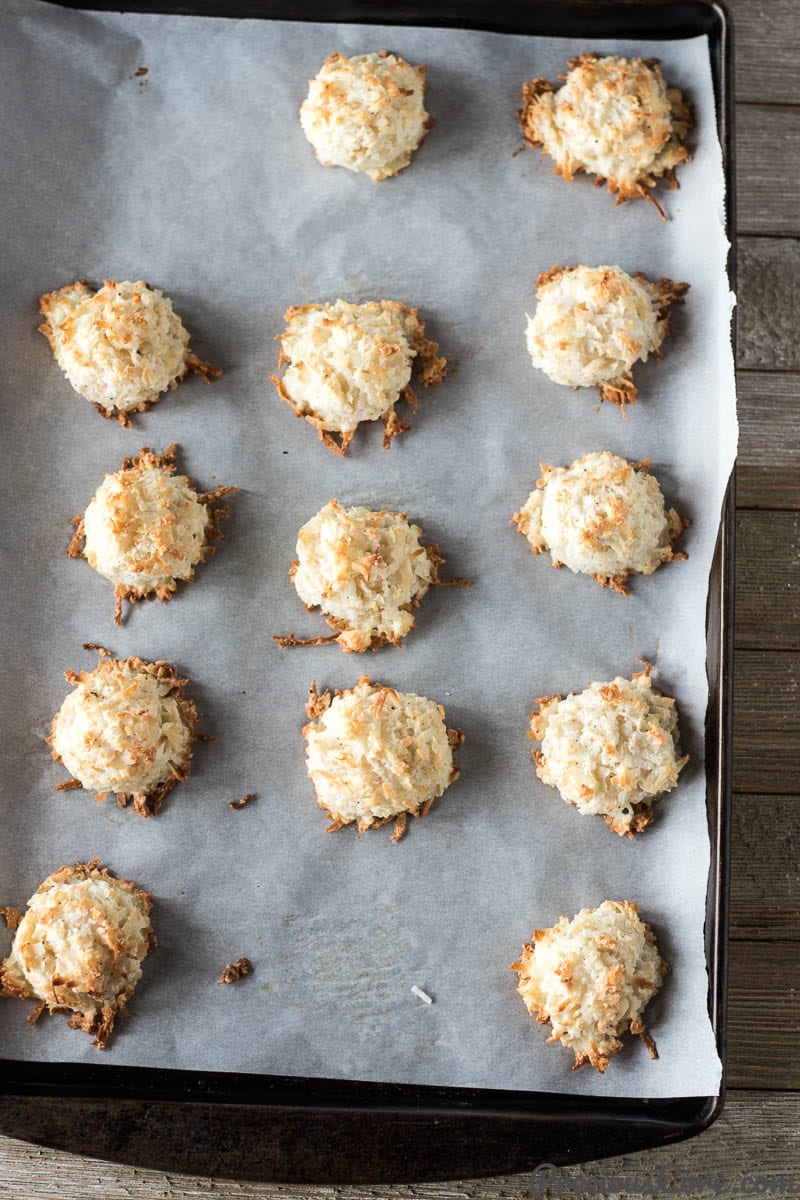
(592, 324)
(121, 347)
(602, 516)
(367, 571)
(349, 363)
(366, 113)
(611, 750)
(614, 118)
(592, 978)
(376, 755)
(147, 528)
(126, 730)
(79, 948)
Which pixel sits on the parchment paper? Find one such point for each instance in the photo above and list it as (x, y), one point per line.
(196, 176)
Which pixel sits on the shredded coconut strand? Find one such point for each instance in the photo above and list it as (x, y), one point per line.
(120, 347)
(423, 996)
(350, 363)
(79, 947)
(593, 323)
(366, 113)
(126, 729)
(612, 749)
(592, 978)
(374, 754)
(366, 570)
(614, 118)
(602, 516)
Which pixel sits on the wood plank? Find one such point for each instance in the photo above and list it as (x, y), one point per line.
(750, 1152)
(768, 580)
(767, 143)
(768, 473)
(767, 45)
(764, 1015)
(766, 722)
(765, 882)
(769, 304)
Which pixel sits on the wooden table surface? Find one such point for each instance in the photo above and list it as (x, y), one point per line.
(754, 1149)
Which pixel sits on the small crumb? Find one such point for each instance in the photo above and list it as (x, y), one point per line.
(422, 995)
(140, 71)
(236, 970)
(242, 801)
(98, 649)
(11, 916)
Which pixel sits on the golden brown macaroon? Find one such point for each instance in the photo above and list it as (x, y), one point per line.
(614, 118)
(79, 948)
(147, 528)
(366, 113)
(376, 755)
(593, 324)
(601, 516)
(126, 730)
(367, 571)
(350, 363)
(591, 978)
(611, 750)
(121, 347)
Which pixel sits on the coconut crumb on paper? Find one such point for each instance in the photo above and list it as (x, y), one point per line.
(235, 971)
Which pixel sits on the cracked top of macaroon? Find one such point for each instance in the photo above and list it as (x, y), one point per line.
(602, 516)
(592, 324)
(614, 118)
(366, 113)
(349, 363)
(592, 978)
(611, 750)
(376, 755)
(127, 730)
(147, 528)
(121, 347)
(367, 571)
(79, 948)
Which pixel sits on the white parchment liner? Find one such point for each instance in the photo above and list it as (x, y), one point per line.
(196, 177)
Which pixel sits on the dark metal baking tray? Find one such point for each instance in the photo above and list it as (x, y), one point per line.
(302, 1129)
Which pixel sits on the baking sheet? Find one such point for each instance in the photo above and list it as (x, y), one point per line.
(196, 177)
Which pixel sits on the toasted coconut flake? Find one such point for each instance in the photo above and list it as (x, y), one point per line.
(349, 363)
(367, 571)
(611, 750)
(147, 528)
(121, 347)
(126, 730)
(79, 948)
(614, 118)
(366, 113)
(376, 755)
(602, 516)
(592, 978)
(236, 971)
(592, 324)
